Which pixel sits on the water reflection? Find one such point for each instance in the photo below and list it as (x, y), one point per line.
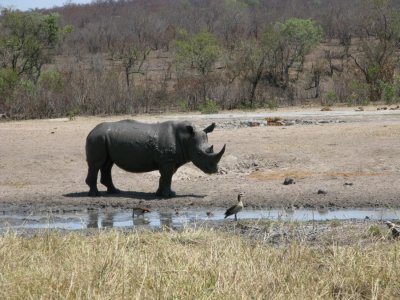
(93, 220)
(108, 220)
(156, 219)
(166, 219)
(140, 222)
(97, 220)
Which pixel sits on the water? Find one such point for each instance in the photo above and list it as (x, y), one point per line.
(123, 218)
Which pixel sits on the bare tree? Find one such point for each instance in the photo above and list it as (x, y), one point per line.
(377, 57)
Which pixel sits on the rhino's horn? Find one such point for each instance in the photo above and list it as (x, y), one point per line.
(217, 156)
(210, 149)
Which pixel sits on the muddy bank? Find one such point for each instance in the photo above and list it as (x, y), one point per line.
(353, 157)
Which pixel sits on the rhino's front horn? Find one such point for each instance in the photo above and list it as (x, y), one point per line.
(218, 156)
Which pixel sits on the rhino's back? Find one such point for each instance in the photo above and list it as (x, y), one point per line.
(131, 145)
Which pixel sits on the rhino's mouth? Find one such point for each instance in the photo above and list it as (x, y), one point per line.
(211, 170)
(207, 161)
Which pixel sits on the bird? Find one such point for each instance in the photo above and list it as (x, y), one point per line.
(236, 208)
(209, 213)
(140, 211)
(395, 229)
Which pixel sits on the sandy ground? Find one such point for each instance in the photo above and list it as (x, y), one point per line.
(357, 163)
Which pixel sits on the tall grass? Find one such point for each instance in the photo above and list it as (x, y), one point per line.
(192, 264)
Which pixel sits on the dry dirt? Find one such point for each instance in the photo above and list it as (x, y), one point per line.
(357, 164)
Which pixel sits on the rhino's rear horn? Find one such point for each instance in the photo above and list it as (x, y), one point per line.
(209, 128)
(210, 149)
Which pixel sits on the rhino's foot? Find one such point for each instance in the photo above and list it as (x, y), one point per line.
(93, 193)
(113, 191)
(165, 193)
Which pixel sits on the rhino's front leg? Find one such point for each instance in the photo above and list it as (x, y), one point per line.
(164, 188)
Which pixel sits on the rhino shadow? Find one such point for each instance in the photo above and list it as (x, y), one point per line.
(132, 195)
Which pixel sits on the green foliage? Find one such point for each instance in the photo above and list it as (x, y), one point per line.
(71, 115)
(27, 86)
(272, 104)
(198, 52)
(296, 38)
(330, 97)
(26, 41)
(359, 93)
(8, 81)
(209, 107)
(52, 80)
(379, 46)
(68, 29)
(251, 59)
(390, 90)
(300, 36)
(183, 106)
(373, 70)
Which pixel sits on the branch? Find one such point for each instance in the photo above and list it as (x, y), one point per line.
(359, 66)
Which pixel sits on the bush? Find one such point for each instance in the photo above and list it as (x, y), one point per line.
(52, 80)
(330, 98)
(359, 93)
(8, 82)
(209, 107)
(183, 106)
(390, 90)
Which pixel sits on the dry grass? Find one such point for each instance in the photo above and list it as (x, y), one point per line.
(193, 264)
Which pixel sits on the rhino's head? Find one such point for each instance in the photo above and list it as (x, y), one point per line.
(200, 153)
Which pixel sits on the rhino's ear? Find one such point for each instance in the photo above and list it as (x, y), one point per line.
(190, 129)
(209, 128)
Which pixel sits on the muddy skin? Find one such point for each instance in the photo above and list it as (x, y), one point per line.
(138, 147)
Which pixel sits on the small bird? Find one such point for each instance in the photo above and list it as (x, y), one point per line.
(395, 229)
(209, 214)
(236, 208)
(140, 211)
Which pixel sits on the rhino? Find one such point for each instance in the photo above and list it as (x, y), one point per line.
(140, 147)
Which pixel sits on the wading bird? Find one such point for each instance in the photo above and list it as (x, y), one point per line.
(140, 211)
(236, 208)
(395, 229)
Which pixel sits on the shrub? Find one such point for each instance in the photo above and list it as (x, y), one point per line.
(330, 98)
(209, 107)
(183, 106)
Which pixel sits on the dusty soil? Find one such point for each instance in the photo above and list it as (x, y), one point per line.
(356, 162)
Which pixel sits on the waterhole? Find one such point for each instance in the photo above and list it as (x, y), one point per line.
(122, 218)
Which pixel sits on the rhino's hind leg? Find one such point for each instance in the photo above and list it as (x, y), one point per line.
(91, 181)
(106, 178)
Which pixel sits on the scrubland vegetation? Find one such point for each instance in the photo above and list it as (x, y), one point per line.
(193, 264)
(118, 57)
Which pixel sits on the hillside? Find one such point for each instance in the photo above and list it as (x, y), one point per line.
(114, 57)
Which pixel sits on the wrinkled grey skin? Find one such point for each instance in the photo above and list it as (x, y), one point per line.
(139, 147)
